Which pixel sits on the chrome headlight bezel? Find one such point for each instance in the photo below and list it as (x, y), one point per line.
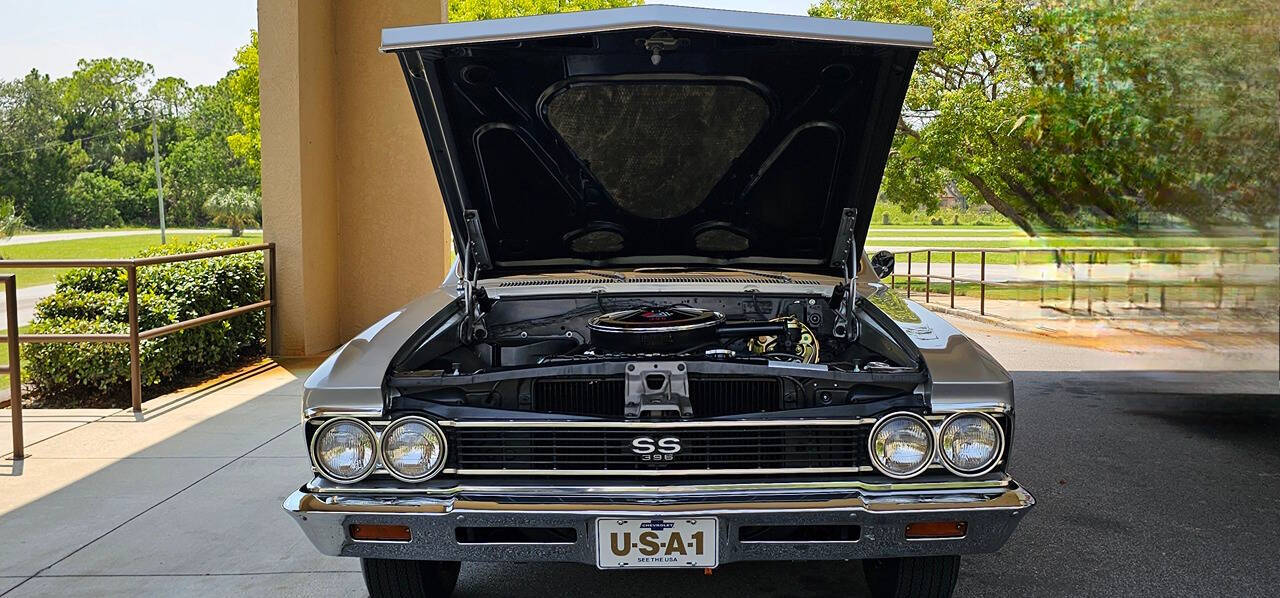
(431, 425)
(930, 436)
(319, 464)
(996, 455)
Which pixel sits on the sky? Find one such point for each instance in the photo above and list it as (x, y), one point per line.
(194, 40)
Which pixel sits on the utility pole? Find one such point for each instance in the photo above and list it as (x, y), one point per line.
(155, 148)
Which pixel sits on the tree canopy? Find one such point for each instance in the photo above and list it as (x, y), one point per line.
(77, 150)
(475, 10)
(1061, 111)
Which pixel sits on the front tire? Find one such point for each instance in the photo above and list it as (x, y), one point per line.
(388, 578)
(911, 577)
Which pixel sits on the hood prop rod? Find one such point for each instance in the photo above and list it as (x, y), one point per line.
(474, 300)
(847, 324)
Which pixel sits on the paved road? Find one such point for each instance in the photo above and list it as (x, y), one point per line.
(94, 234)
(28, 297)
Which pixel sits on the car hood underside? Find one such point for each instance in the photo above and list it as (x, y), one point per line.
(658, 135)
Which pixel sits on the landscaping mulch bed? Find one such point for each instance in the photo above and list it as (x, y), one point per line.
(121, 398)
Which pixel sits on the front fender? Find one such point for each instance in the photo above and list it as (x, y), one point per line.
(963, 376)
(350, 381)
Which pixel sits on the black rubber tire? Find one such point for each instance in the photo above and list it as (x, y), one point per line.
(912, 577)
(387, 578)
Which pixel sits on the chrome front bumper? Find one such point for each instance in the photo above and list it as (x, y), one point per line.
(990, 508)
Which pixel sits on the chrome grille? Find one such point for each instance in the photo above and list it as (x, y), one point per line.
(607, 449)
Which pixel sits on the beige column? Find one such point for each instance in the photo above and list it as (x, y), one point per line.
(348, 193)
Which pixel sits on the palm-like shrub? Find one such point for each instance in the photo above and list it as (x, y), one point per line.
(234, 208)
(10, 220)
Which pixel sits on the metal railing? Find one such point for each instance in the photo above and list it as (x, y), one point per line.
(1069, 257)
(135, 336)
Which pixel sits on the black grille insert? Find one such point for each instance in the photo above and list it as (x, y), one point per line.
(703, 448)
(516, 535)
(710, 396)
(799, 533)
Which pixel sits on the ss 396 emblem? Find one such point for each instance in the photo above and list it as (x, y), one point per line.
(655, 449)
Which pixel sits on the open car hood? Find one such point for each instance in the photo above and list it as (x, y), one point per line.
(658, 135)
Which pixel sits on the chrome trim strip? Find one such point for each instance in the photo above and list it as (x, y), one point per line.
(793, 542)
(324, 412)
(669, 17)
(654, 425)
(993, 409)
(959, 486)
(658, 472)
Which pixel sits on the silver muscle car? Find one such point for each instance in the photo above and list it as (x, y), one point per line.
(663, 344)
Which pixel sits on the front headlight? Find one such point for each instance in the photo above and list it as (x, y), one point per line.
(413, 448)
(970, 443)
(344, 450)
(901, 445)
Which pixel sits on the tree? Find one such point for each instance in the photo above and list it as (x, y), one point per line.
(202, 161)
(97, 121)
(103, 105)
(1060, 112)
(36, 166)
(475, 10)
(236, 209)
(136, 203)
(246, 144)
(92, 201)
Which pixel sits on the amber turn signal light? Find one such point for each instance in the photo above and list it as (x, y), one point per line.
(936, 529)
(380, 533)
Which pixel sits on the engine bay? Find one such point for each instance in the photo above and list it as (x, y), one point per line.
(746, 328)
(745, 354)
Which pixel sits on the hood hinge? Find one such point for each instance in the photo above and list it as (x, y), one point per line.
(845, 255)
(475, 302)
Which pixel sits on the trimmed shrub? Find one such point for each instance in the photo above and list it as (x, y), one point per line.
(96, 301)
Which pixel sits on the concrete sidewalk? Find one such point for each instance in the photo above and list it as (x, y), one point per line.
(183, 500)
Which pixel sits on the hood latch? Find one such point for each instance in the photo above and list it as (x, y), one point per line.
(660, 42)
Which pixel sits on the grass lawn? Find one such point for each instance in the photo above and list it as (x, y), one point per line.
(877, 230)
(1015, 239)
(1085, 236)
(99, 248)
(54, 231)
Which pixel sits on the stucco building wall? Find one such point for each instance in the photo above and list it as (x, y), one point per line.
(348, 194)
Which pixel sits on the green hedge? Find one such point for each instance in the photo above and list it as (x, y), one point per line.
(95, 300)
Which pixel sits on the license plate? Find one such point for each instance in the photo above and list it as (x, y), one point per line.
(640, 543)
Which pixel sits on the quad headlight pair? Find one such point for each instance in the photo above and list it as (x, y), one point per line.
(903, 444)
(346, 450)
